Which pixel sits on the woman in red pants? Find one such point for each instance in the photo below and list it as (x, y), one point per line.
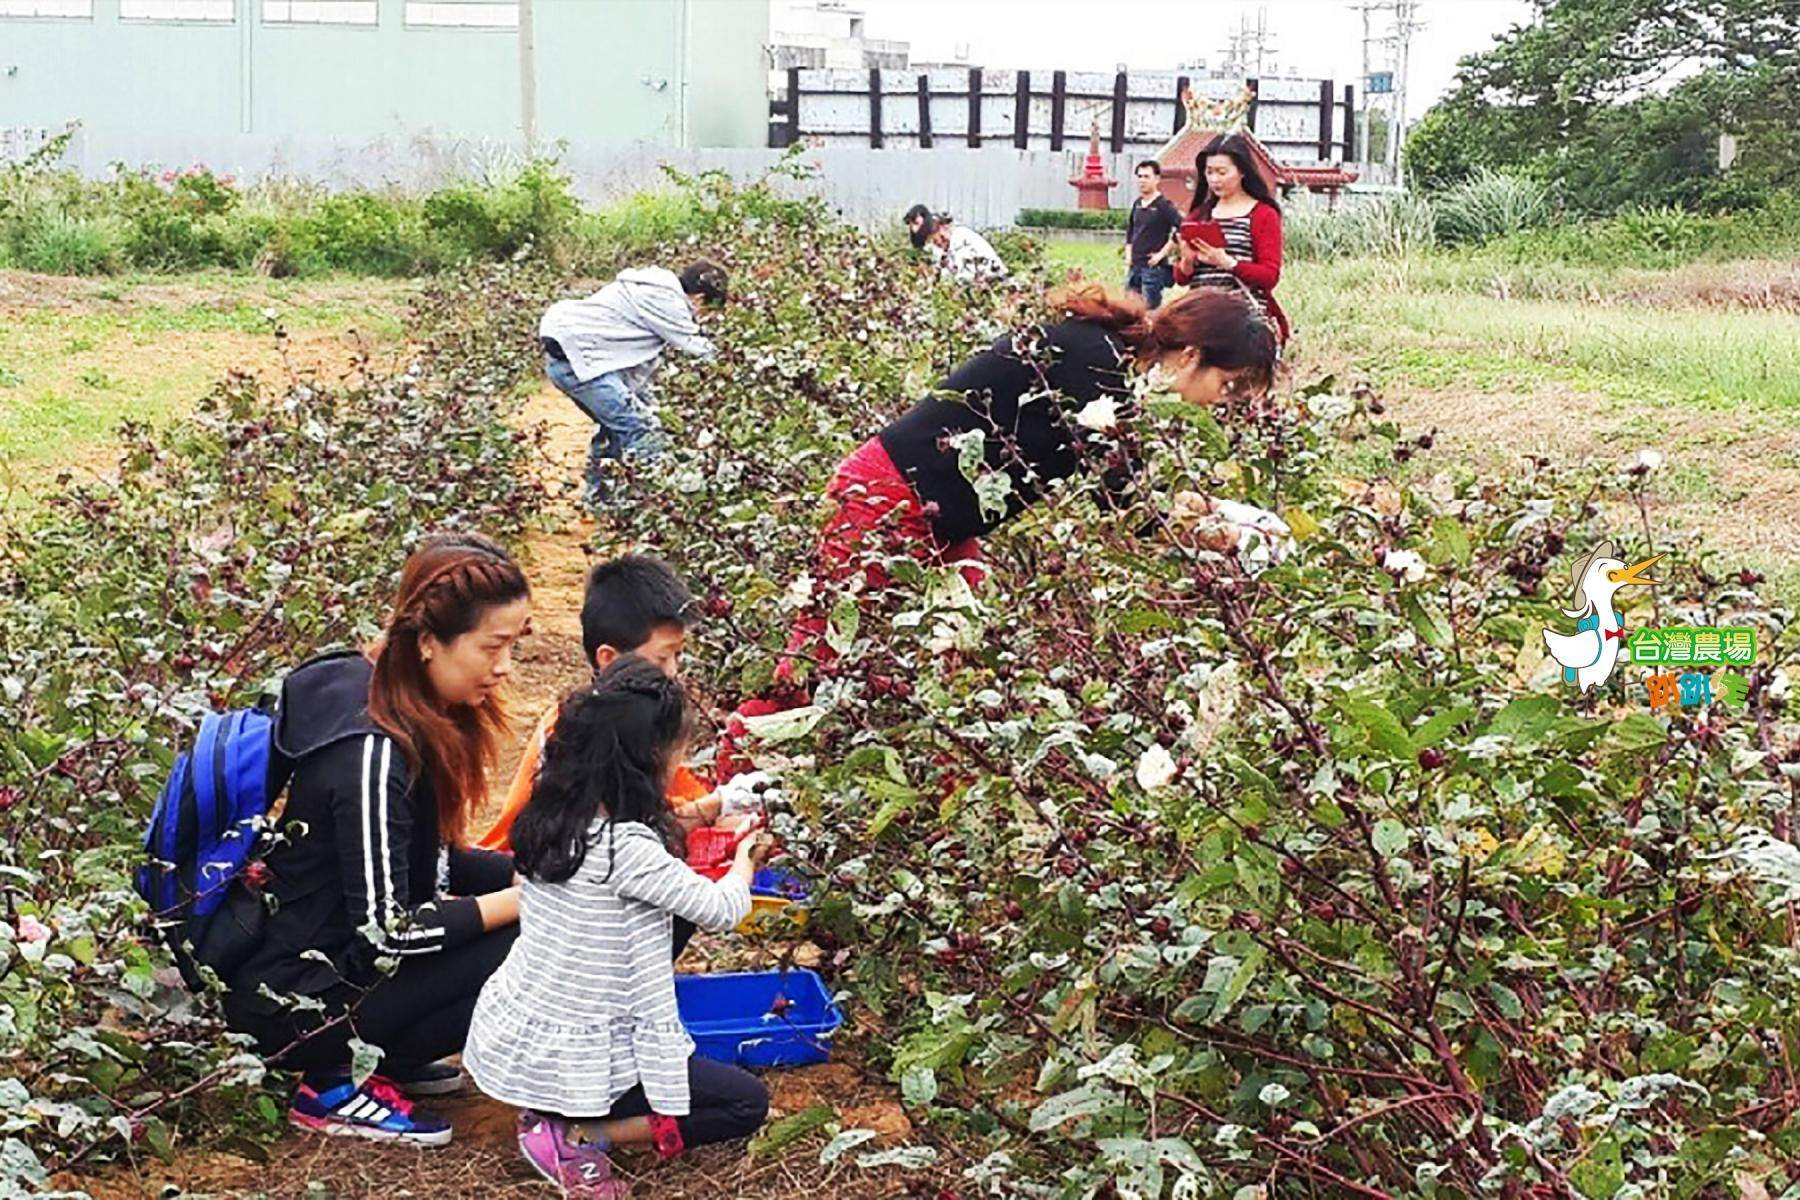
(1043, 405)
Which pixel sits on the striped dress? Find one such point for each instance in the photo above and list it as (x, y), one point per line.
(1238, 245)
(583, 1008)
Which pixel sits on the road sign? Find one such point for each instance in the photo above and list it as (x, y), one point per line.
(1381, 83)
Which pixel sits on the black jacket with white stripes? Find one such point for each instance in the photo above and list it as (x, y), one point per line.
(357, 872)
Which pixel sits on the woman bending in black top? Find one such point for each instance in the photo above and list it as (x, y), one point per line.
(1043, 404)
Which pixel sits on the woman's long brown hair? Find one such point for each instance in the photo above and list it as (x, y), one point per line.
(446, 588)
(1227, 329)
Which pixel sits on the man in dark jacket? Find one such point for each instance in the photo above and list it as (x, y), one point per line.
(1154, 220)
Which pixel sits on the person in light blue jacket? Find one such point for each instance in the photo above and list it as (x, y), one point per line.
(601, 351)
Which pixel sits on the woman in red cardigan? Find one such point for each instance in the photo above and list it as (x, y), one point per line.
(1237, 199)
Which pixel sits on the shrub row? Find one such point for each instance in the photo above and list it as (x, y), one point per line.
(55, 222)
(1160, 873)
(1074, 218)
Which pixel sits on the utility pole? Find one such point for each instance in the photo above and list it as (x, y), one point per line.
(1406, 23)
(527, 80)
(1362, 126)
(1249, 49)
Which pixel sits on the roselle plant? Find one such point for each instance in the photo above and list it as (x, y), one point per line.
(1167, 874)
(270, 524)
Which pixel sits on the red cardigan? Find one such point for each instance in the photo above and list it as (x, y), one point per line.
(1261, 271)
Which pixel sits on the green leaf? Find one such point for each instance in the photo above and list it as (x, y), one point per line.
(1239, 983)
(778, 1136)
(844, 1142)
(784, 726)
(156, 1135)
(1248, 775)
(1449, 543)
(1527, 719)
(1390, 837)
(907, 1158)
(1300, 523)
(1382, 730)
(918, 1086)
(1507, 1001)
(1428, 621)
(898, 800)
(1084, 1101)
(846, 619)
(1602, 1173)
(364, 1058)
(1639, 731)
(1209, 435)
(936, 1048)
(1441, 725)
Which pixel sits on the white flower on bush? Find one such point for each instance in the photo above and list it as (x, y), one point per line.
(1100, 415)
(1215, 705)
(1405, 564)
(1648, 460)
(1155, 769)
(799, 593)
(33, 930)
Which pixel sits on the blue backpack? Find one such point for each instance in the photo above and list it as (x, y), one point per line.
(203, 831)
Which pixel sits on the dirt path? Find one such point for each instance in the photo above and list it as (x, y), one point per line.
(483, 1160)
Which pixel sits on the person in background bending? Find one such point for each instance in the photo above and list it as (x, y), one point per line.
(602, 350)
(957, 250)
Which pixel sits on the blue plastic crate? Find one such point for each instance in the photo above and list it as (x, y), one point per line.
(782, 885)
(732, 1020)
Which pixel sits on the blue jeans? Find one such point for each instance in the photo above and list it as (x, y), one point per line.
(627, 426)
(1150, 282)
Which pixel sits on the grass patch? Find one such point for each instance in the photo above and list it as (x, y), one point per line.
(1442, 322)
(76, 360)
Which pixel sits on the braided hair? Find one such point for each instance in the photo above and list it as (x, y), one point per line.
(446, 589)
(609, 756)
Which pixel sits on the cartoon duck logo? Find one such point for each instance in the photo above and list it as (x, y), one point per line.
(1589, 655)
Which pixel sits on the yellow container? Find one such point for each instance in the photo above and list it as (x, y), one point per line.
(772, 914)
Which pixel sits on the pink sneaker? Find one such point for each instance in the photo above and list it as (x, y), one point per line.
(579, 1168)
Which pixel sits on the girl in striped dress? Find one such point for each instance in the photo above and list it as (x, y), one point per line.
(578, 1027)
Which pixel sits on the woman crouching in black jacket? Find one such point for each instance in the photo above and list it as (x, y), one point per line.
(383, 926)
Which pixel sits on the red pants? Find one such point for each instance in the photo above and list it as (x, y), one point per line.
(878, 515)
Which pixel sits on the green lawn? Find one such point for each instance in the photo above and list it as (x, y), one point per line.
(77, 356)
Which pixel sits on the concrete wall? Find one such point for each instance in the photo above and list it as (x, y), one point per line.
(249, 95)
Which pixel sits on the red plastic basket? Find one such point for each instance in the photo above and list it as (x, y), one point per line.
(709, 850)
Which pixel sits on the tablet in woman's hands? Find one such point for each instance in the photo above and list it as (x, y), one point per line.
(1209, 233)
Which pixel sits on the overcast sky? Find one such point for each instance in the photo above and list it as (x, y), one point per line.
(1313, 39)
